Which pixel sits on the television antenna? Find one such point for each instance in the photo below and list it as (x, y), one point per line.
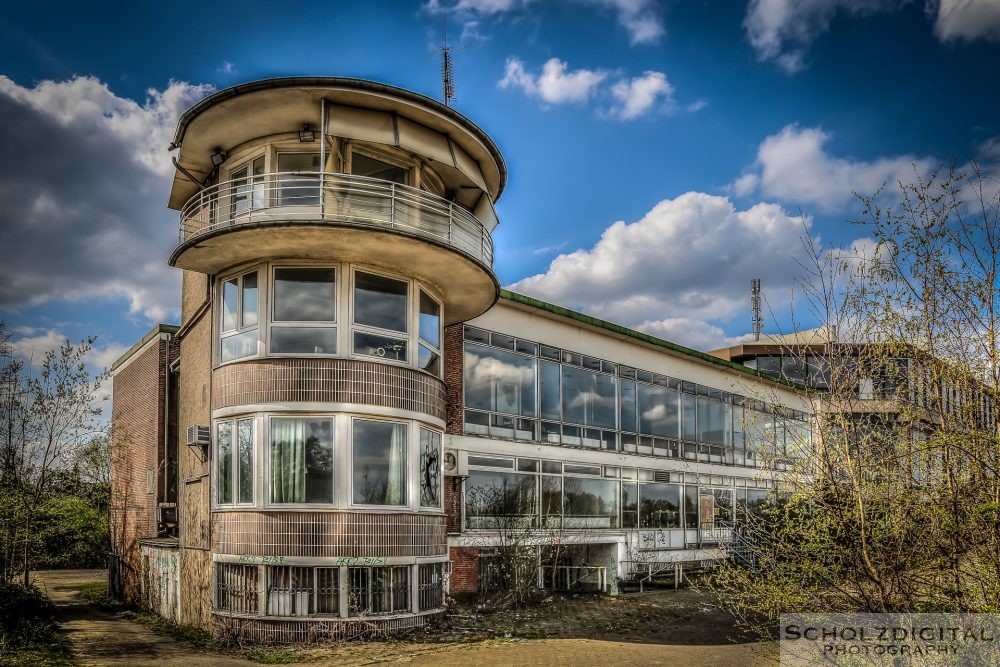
(755, 306)
(446, 54)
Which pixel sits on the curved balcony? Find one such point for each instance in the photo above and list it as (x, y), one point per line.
(318, 215)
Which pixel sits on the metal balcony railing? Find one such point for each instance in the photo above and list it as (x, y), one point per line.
(335, 199)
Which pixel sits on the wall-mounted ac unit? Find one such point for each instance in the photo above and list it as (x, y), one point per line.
(455, 464)
(199, 435)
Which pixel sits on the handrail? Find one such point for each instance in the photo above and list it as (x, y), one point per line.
(336, 199)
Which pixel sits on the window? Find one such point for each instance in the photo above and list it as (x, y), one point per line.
(305, 303)
(362, 165)
(499, 381)
(630, 505)
(714, 421)
(249, 187)
(289, 591)
(238, 317)
(301, 457)
(552, 500)
(431, 587)
(429, 348)
(658, 411)
(378, 590)
(590, 503)
(659, 506)
(380, 303)
(379, 463)
(430, 469)
(297, 186)
(234, 478)
(496, 499)
(236, 588)
(588, 398)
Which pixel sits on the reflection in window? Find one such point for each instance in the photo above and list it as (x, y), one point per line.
(303, 340)
(362, 165)
(238, 317)
(305, 295)
(234, 462)
(224, 463)
(590, 503)
(301, 460)
(499, 381)
(552, 500)
(429, 348)
(588, 398)
(430, 469)
(379, 463)
(244, 448)
(302, 188)
(378, 345)
(249, 187)
(658, 411)
(380, 302)
(499, 499)
(714, 421)
(660, 506)
(549, 392)
(630, 505)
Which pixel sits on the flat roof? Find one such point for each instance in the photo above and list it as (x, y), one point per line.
(644, 337)
(150, 335)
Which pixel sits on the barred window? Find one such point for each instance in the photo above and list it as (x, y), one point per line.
(289, 591)
(379, 590)
(236, 588)
(431, 586)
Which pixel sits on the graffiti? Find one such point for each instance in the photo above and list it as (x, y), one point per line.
(356, 560)
(261, 560)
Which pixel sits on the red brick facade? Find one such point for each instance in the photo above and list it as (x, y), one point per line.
(139, 482)
(464, 570)
(453, 504)
(453, 353)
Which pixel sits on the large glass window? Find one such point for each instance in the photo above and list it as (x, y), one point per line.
(301, 458)
(658, 411)
(238, 317)
(305, 303)
(379, 462)
(714, 421)
(588, 398)
(298, 179)
(630, 505)
(552, 500)
(499, 499)
(660, 506)
(590, 503)
(430, 469)
(499, 381)
(362, 165)
(234, 455)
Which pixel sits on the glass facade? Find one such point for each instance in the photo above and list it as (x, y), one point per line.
(520, 390)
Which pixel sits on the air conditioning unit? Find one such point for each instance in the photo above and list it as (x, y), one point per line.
(455, 464)
(199, 435)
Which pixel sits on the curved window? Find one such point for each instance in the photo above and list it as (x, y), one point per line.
(380, 306)
(234, 459)
(431, 490)
(379, 462)
(304, 311)
(301, 456)
(238, 322)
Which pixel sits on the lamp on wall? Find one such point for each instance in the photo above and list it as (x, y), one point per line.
(306, 135)
(218, 157)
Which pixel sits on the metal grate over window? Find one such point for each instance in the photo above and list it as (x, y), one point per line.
(378, 590)
(430, 592)
(236, 588)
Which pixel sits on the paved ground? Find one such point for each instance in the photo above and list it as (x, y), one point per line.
(102, 638)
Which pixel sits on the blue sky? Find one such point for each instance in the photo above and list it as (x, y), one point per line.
(661, 154)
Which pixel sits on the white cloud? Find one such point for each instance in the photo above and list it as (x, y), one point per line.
(687, 261)
(31, 345)
(781, 31)
(697, 105)
(966, 19)
(556, 84)
(694, 333)
(794, 166)
(83, 205)
(490, 6)
(640, 19)
(635, 97)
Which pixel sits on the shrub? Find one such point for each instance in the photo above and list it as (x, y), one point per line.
(27, 616)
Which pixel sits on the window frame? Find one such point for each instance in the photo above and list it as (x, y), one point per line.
(233, 422)
(241, 329)
(267, 503)
(408, 476)
(252, 180)
(409, 336)
(334, 324)
(373, 153)
(440, 446)
(423, 342)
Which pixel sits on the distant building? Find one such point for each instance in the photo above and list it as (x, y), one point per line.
(351, 378)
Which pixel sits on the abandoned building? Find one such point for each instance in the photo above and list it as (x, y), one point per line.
(351, 407)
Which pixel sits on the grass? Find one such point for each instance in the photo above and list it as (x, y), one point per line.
(96, 594)
(53, 653)
(186, 633)
(266, 657)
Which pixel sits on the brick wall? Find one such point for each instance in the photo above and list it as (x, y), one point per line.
(138, 481)
(453, 504)
(464, 570)
(453, 353)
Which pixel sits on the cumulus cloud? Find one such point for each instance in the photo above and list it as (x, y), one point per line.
(694, 333)
(640, 19)
(688, 261)
(966, 19)
(781, 31)
(31, 346)
(556, 84)
(83, 204)
(635, 97)
(794, 166)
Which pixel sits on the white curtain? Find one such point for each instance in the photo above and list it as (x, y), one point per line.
(396, 488)
(288, 461)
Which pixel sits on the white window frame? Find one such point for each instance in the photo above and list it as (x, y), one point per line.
(407, 472)
(252, 182)
(420, 506)
(240, 329)
(235, 472)
(303, 324)
(409, 336)
(421, 341)
(266, 446)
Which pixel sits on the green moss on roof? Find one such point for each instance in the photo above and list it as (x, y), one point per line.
(640, 336)
(155, 331)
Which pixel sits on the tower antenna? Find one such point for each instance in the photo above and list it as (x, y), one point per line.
(447, 55)
(755, 306)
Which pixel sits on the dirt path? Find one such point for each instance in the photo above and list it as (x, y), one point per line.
(102, 638)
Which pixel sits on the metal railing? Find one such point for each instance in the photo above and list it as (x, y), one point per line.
(575, 578)
(335, 198)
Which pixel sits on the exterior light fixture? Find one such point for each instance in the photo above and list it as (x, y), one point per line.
(306, 135)
(218, 157)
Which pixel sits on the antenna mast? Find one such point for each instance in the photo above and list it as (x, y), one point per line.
(755, 306)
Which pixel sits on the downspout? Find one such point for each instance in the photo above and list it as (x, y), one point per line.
(190, 177)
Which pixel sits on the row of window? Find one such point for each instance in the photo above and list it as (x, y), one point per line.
(328, 591)
(299, 456)
(388, 316)
(555, 495)
(521, 392)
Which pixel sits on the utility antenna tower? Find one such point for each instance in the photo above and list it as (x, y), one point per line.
(755, 306)
(446, 54)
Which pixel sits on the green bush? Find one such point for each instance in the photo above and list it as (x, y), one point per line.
(27, 616)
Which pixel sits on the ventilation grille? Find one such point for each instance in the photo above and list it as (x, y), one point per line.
(199, 435)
